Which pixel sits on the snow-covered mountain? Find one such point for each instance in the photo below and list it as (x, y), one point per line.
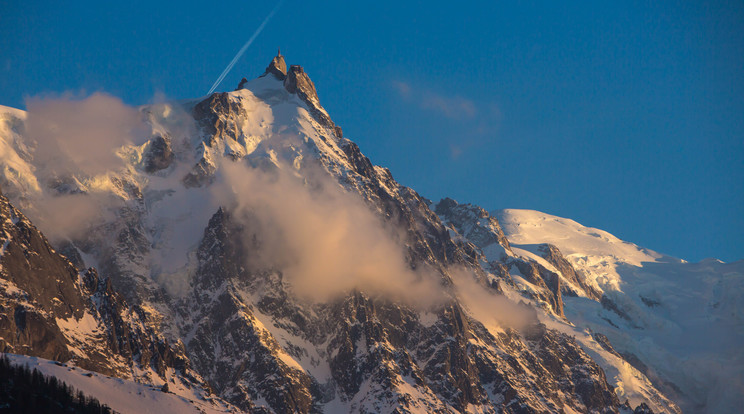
(680, 323)
(244, 235)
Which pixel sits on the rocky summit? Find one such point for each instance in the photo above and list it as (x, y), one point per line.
(252, 259)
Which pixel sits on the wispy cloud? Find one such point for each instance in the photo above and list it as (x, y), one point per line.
(76, 142)
(403, 88)
(82, 134)
(477, 120)
(453, 107)
(325, 241)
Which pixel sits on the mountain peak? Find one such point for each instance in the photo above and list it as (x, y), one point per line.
(277, 66)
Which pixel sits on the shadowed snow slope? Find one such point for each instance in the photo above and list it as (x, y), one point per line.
(125, 397)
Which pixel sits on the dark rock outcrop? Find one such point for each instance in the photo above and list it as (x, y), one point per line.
(604, 342)
(299, 83)
(643, 408)
(551, 253)
(241, 84)
(31, 264)
(38, 286)
(216, 119)
(159, 154)
(211, 124)
(610, 305)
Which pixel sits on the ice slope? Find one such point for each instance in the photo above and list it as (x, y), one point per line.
(682, 322)
(121, 395)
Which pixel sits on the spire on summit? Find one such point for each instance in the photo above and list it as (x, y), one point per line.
(277, 67)
(296, 82)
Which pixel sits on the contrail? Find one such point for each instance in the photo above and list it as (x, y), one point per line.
(242, 49)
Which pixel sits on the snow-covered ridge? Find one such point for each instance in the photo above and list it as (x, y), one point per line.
(531, 227)
(597, 253)
(14, 112)
(683, 321)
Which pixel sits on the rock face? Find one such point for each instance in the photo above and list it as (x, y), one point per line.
(229, 345)
(548, 283)
(51, 310)
(374, 354)
(35, 281)
(473, 222)
(299, 83)
(553, 256)
(240, 325)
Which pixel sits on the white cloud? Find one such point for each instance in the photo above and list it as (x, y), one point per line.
(74, 143)
(82, 134)
(495, 311)
(326, 241)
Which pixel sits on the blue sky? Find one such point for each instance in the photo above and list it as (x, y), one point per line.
(627, 116)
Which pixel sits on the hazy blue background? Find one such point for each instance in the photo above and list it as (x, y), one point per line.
(627, 116)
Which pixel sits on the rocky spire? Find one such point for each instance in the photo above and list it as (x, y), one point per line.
(297, 82)
(277, 67)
